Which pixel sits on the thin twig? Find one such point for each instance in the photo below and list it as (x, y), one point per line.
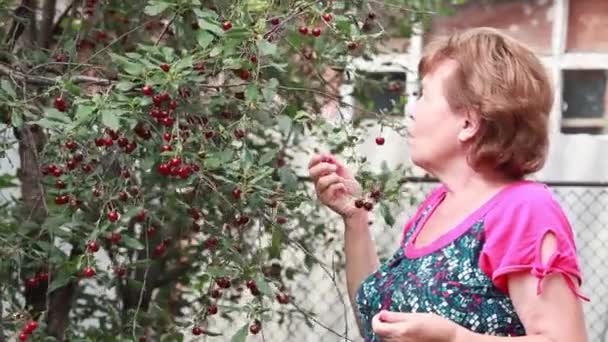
(165, 29)
(143, 289)
(42, 80)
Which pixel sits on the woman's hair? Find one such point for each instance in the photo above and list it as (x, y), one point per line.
(506, 86)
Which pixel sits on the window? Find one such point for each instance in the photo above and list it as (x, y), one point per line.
(584, 100)
(381, 93)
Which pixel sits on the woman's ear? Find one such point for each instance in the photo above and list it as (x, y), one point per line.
(469, 127)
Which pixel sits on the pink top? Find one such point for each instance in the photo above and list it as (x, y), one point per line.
(516, 220)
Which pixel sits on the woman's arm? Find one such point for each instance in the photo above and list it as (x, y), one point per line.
(554, 315)
(360, 250)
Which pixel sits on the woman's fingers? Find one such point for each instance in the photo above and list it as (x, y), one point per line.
(320, 170)
(325, 181)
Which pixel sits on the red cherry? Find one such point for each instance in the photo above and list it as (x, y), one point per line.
(359, 203)
(160, 249)
(93, 246)
(134, 190)
(157, 100)
(62, 199)
(71, 164)
(368, 206)
(164, 169)
(168, 121)
(112, 133)
(123, 196)
(197, 331)
(175, 161)
(141, 216)
(147, 90)
(275, 21)
(89, 272)
(200, 66)
(130, 147)
(253, 59)
(115, 238)
(113, 216)
(282, 298)
(59, 184)
(166, 148)
(60, 104)
(226, 25)
(250, 284)
(173, 105)
(281, 220)
(86, 168)
(108, 141)
(43, 277)
(327, 17)
(57, 172)
(303, 30)
(123, 142)
(125, 173)
(215, 293)
(353, 45)
(255, 327)
(165, 67)
(194, 167)
(209, 134)
(236, 193)
(184, 172)
(120, 271)
(31, 282)
(245, 74)
(239, 133)
(151, 231)
(212, 309)
(223, 282)
(23, 336)
(211, 243)
(316, 31)
(30, 327)
(380, 141)
(70, 144)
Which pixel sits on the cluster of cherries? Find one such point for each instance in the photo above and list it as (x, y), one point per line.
(27, 330)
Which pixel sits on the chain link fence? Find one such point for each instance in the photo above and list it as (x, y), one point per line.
(323, 291)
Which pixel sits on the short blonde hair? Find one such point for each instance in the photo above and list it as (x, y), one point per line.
(506, 85)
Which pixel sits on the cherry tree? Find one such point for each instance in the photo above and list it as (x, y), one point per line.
(160, 145)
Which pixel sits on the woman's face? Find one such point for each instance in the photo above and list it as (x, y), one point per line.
(435, 133)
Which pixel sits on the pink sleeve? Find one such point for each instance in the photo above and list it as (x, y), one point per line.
(514, 232)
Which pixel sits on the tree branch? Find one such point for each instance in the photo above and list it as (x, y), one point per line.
(46, 24)
(42, 80)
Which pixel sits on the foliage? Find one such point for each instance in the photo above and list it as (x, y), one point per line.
(161, 148)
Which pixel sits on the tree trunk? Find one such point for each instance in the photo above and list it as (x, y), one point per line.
(31, 143)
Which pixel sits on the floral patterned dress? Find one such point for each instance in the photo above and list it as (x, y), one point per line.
(448, 279)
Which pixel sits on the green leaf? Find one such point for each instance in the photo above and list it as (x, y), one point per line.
(207, 25)
(8, 89)
(251, 94)
(275, 247)
(55, 115)
(184, 63)
(83, 112)
(212, 163)
(263, 285)
(267, 157)
(59, 279)
(204, 39)
(174, 336)
(156, 8)
(132, 243)
(216, 51)
(386, 214)
(289, 179)
(125, 85)
(134, 69)
(266, 48)
(241, 334)
(110, 119)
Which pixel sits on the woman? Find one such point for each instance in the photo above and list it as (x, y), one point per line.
(488, 256)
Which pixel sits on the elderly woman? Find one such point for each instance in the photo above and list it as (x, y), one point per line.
(488, 256)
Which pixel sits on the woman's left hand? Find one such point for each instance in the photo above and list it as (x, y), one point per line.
(413, 327)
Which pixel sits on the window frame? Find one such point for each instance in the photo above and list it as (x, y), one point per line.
(556, 63)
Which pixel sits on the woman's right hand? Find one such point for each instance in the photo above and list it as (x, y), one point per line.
(336, 187)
